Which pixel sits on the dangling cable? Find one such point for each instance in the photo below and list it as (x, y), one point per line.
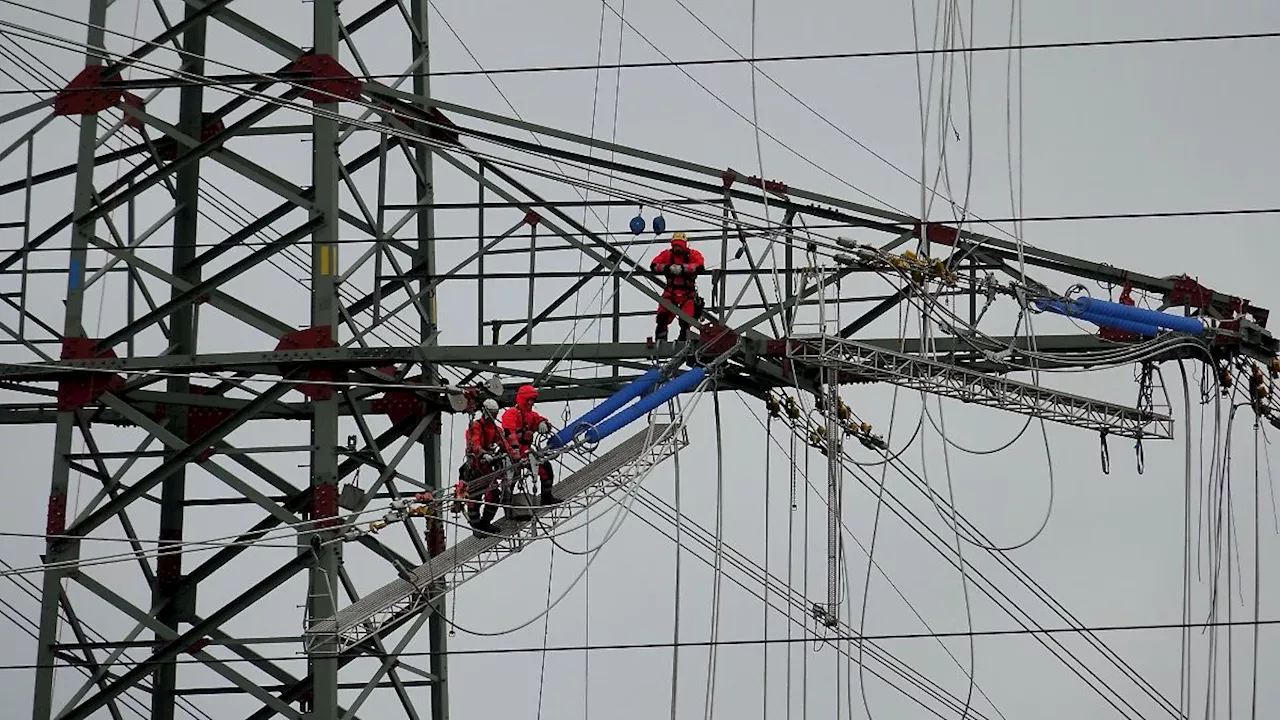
(675, 631)
(1184, 669)
(546, 627)
(768, 444)
(1257, 569)
(791, 524)
(717, 571)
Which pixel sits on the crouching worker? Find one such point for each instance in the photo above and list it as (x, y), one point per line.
(520, 423)
(483, 458)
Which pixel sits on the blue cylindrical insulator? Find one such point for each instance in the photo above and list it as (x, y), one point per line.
(1078, 311)
(1124, 324)
(659, 225)
(632, 390)
(637, 224)
(1105, 308)
(685, 382)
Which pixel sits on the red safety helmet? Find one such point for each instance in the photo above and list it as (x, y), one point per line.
(526, 395)
(679, 240)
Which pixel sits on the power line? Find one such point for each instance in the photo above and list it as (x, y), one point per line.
(738, 643)
(249, 79)
(1154, 215)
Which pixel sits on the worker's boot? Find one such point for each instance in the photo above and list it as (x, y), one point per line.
(545, 479)
(484, 528)
(490, 512)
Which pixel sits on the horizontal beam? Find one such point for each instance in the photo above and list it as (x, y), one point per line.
(866, 363)
(268, 362)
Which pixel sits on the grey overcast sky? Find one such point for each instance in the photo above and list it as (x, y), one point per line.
(1173, 127)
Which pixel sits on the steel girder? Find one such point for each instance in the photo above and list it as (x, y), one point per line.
(238, 354)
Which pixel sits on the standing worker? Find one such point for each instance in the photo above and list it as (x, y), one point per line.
(679, 265)
(520, 423)
(484, 451)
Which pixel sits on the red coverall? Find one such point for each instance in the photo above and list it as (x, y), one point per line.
(520, 423)
(483, 436)
(681, 289)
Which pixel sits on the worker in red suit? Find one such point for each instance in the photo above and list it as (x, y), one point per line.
(679, 265)
(485, 449)
(521, 423)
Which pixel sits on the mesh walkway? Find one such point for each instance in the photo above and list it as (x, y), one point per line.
(609, 474)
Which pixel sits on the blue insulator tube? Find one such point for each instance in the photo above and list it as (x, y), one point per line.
(1124, 324)
(1117, 323)
(629, 392)
(1105, 308)
(684, 383)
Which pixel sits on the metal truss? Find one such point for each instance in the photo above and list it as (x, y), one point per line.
(858, 362)
(279, 322)
(617, 471)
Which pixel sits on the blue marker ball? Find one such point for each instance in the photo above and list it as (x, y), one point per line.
(659, 225)
(637, 224)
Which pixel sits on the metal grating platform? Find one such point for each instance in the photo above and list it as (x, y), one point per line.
(872, 363)
(623, 466)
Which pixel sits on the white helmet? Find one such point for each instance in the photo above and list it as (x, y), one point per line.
(490, 407)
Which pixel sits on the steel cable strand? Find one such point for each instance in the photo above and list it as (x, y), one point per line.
(938, 543)
(1029, 582)
(1257, 572)
(1057, 607)
(546, 628)
(943, 165)
(795, 621)
(1223, 532)
(875, 528)
(355, 122)
(78, 46)
(819, 115)
(384, 130)
(768, 445)
(872, 562)
(742, 563)
(675, 625)
(1010, 606)
(128, 700)
(941, 428)
(193, 546)
(1184, 657)
(753, 570)
(717, 572)
(1217, 503)
(299, 107)
(799, 600)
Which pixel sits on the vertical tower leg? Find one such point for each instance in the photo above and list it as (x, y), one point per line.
(183, 339)
(58, 549)
(432, 475)
(323, 586)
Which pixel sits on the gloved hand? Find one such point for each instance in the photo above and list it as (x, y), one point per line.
(677, 269)
(544, 427)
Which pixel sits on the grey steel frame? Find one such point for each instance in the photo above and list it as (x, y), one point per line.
(953, 367)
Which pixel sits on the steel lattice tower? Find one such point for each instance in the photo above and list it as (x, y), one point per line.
(197, 348)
